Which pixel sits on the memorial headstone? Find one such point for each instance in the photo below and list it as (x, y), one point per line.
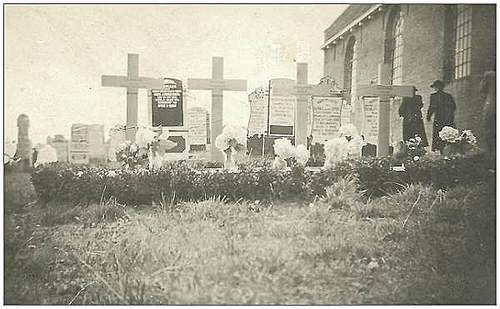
(326, 114)
(61, 145)
(97, 149)
(257, 122)
(116, 138)
(46, 154)
(79, 147)
(167, 104)
(282, 103)
(197, 126)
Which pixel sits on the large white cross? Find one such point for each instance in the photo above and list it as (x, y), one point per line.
(217, 84)
(132, 82)
(384, 92)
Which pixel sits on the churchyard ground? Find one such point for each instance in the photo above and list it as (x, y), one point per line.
(419, 246)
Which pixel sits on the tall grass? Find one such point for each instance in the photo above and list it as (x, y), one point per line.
(411, 247)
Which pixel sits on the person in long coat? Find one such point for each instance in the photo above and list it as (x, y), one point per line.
(413, 124)
(443, 108)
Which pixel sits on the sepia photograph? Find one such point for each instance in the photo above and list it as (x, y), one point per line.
(249, 153)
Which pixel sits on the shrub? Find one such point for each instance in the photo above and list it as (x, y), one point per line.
(342, 194)
(181, 181)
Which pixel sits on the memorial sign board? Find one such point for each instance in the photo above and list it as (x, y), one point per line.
(167, 104)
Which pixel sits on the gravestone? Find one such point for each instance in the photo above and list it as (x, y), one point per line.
(326, 107)
(116, 138)
(325, 101)
(217, 85)
(257, 122)
(45, 154)
(79, 146)
(61, 145)
(197, 126)
(24, 146)
(132, 82)
(96, 147)
(167, 104)
(282, 102)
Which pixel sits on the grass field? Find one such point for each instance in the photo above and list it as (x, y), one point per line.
(421, 246)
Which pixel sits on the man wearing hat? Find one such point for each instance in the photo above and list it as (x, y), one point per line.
(443, 108)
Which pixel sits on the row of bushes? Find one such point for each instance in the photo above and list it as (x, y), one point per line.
(255, 181)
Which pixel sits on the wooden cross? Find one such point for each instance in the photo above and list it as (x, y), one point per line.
(217, 84)
(384, 92)
(132, 82)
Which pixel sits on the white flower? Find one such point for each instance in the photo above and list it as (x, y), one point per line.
(230, 133)
(221, 142)
(449, 134)
(279, 163)
(144, 136)
(134, 148)
(416, 158)
(336, 149)
(348, 130)
(284, 148)
(302, 154)
(111, 174)
(469, 137)
(355, 146)
(79, 174)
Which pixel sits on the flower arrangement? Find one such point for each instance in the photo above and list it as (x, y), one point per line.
(131, 155)
(457, 142)
(287, 154)
(232, 139)
(347, 145)
(336, 150)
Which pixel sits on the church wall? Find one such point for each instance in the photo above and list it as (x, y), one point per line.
(423, 57)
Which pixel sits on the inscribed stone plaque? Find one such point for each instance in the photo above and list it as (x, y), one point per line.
(167, 103)
(197, 126)
(257, 123)
(326, 113)
(79, 147)
(371, 119)
(282, 107)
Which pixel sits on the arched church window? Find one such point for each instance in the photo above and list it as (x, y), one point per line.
(395, 46)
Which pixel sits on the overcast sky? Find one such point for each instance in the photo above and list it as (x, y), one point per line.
(55, 55)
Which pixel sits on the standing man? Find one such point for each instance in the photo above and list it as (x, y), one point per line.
(413, 124)
(443, 107)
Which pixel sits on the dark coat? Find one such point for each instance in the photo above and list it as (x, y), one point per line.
(443, 108)
(413, 123)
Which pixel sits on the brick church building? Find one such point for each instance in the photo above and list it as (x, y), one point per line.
(419, 43)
